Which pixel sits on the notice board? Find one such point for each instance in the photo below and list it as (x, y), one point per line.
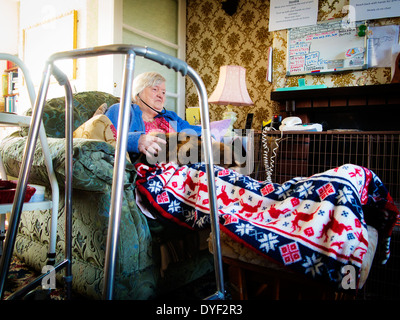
(329, 46)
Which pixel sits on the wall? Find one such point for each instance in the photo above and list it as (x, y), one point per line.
(161, 26)
(328, 9)
(39, 11)
(109, 31)
(9, 26)
(214, 38)
(8, 32)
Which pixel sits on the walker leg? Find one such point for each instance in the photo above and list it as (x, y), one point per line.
(118, 176)
(68, 187)
(23, 181)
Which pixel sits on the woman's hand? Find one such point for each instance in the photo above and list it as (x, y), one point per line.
(150, 144)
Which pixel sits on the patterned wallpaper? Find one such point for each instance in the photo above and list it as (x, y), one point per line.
(215, 38)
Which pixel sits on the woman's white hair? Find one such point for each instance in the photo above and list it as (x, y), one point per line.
(144, 80)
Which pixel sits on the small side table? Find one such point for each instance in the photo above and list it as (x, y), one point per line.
(14, 120)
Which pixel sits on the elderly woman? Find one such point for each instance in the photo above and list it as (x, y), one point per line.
(148, 114)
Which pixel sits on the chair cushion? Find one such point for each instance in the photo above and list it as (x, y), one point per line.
(85, 104)
(98, 127)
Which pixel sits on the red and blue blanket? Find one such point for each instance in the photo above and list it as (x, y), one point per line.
(314, 225)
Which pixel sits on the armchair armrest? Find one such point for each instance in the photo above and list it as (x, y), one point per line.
(93, 162)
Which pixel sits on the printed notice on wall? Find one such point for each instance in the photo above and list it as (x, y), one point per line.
(378, 9)
(285, 14)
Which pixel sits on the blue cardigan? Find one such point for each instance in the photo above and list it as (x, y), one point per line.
(137, 127)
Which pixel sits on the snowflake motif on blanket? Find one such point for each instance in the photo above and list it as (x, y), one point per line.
(345, 195)
(174, 206)
(244, 228)
(313, 265)
(284, 191)
(252, 185)
(305, 189)
(268, 242)
(155, 186)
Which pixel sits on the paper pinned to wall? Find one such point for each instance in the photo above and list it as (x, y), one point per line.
(370, 10)
(395, 53)
(381, 40)
(285, 14)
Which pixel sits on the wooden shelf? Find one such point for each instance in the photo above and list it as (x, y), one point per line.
(28, 206)
(13, 69)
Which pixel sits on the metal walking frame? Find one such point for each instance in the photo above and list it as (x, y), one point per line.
(21, 188)
(130, 52)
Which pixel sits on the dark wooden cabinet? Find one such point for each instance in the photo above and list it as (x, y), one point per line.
(368, 108)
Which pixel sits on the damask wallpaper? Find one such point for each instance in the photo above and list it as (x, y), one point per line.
(214, 38)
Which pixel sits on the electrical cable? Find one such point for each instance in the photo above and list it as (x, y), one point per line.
(269, 159)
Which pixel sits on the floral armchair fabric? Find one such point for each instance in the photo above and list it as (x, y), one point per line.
(139, 258)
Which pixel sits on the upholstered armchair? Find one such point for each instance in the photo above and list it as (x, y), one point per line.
(143, 267)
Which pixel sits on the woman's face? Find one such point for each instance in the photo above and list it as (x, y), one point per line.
(154, 96)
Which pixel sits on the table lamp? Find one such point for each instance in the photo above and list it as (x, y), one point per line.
(231, 90)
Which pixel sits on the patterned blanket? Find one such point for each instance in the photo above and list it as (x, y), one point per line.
(314, 225)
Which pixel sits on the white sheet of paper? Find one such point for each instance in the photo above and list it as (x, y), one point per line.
(369, 10)
(285, 14)
(380, 43)
(395, 52)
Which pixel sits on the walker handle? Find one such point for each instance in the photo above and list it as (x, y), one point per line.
(167, 60)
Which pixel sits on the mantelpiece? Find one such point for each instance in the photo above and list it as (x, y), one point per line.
(360, 107)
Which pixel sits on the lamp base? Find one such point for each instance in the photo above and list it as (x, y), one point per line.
(229, 114)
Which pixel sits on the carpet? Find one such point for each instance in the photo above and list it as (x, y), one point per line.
(198, 289)
(20, 275)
